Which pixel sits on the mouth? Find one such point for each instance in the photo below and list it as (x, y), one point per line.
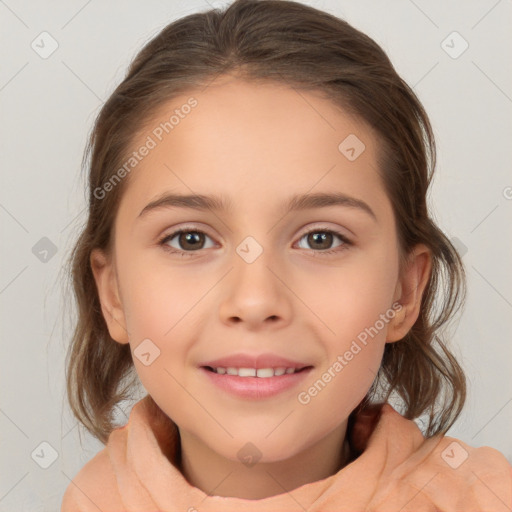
(255, 383)
(262, 373)
(255, 376)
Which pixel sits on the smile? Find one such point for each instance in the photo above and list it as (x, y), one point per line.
(254, 372)
(255, 384)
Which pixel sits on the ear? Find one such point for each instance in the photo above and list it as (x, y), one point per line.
(409, 292)
(108, 291)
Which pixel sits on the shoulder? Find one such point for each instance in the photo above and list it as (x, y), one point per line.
(453, 455)
(450, 474)
(481, 476)
(93, 488)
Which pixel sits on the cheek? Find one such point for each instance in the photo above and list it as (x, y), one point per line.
(357, 313)
(157, 303)
(353, 295)
(160, 303)
(157, 300)
(355, 303)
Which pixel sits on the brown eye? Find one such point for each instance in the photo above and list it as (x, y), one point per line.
(185, 240)
(191, 240)
(322, 240)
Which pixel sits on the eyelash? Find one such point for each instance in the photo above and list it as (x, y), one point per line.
(163, 241)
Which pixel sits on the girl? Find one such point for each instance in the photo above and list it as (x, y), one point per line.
(259, 254)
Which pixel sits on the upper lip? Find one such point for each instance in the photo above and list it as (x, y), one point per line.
(254, 361)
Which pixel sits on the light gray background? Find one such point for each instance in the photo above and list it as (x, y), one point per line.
(47, 109)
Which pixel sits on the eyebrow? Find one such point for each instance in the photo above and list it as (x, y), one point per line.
(295, 203)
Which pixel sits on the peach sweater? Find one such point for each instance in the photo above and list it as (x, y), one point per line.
(396, 469)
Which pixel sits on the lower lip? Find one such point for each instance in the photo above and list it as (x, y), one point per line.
(256, 387)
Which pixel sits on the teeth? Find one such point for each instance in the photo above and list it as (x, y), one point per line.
(253, 372)
(264, 372)
(247, 372)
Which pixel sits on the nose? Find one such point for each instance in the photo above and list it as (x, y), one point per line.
(255, 294)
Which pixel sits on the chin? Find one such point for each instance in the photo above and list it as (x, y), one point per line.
(255, 448)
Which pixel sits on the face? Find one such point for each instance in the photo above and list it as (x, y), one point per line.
(317, 285)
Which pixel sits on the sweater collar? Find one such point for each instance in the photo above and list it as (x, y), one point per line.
(145, 456)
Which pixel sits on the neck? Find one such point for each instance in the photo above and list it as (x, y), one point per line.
(219, 476)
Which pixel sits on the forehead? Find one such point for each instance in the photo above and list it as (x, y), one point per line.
(254, 141)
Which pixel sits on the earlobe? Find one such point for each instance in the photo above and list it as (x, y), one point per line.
(108, 293)
(409, 292)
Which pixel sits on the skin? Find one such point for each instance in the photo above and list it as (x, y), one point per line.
(257, 144)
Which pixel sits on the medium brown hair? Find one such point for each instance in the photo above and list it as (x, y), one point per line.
(308, 49)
